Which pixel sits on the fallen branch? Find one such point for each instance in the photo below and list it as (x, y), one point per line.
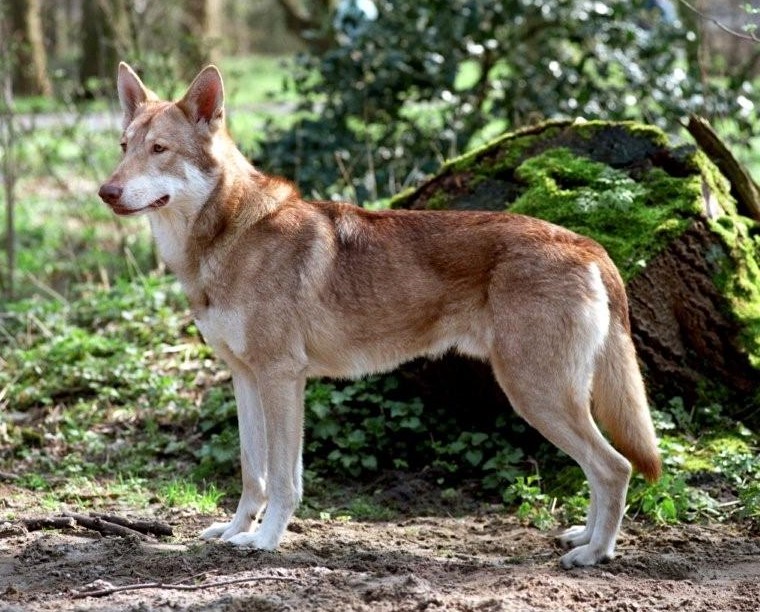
(107, 524)
(106, 527)
(110, 589)
(744, 188)
(148, 527)
(56, 522)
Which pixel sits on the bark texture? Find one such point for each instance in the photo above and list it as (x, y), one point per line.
(30, 75)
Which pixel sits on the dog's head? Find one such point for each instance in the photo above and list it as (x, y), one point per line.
(169, 160)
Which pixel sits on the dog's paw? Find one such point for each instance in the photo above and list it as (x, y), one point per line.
(583, 556)
(575, 536)
(253, 540)
(214, 531)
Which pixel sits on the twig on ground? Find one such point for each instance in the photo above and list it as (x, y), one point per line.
(56, 522)
(106, 527)
(107, 524)
(148, 527)
(110, 590)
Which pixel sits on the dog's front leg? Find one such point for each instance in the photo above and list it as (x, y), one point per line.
(282, 393)
(253, 457)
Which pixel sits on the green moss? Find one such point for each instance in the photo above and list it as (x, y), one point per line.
(712, 453)
(440, 200)
(644, 131)
(632, 220)
(719, 185)
(739, 277)
(511, 148)
(398, 200)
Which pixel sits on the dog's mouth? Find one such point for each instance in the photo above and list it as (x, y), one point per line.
(124, 211)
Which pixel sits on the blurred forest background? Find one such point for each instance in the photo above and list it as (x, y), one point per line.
(103, 375)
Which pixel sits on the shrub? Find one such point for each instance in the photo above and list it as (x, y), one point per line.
(428, 79)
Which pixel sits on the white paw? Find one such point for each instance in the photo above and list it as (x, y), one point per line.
(575, 536)
(585, 555)
(214, 531)
(253, 540)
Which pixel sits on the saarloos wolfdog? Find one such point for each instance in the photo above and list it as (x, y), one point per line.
(285, 289)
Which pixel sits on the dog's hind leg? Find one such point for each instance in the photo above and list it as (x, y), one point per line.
(282, 396)
(253, 458)
(560, 410)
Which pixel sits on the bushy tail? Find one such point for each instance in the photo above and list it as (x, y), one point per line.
(620, 403)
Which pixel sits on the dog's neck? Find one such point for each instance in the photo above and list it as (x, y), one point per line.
(236, 191)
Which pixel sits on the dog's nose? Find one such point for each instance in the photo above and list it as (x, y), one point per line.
(110, 193)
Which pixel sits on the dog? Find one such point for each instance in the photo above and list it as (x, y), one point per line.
(285, 289)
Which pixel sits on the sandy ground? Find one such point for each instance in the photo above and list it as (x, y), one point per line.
(483, 561)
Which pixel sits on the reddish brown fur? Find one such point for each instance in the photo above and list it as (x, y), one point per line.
(285, 288)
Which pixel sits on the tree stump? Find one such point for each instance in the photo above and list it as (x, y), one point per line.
(668, 219)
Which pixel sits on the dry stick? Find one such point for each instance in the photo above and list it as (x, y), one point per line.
(104, 523)
(105, 527)
(58, 522)
(155, 527)
(175, 586)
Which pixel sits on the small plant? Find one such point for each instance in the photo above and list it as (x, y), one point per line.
(489, 457)
(750, 498)
(698, 475)
(533, 505)
(359, 427)
(670, 500)
(35, 482)
(220, 450)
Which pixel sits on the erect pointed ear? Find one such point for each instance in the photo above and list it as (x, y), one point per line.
(204, 99)
(132, 92)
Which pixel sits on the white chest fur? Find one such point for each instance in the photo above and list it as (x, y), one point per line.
(224, 330)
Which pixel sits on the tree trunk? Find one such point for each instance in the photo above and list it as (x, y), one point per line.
(8, 156)
(667, 218)
(200, 35)
(311, 22)
(98, 59)
(30, 75)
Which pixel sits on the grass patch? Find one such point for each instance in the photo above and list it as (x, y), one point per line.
(188, 494)
(104, 383)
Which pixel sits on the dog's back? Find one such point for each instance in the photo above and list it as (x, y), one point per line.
(285, 289)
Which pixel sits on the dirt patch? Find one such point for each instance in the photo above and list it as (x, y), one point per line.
(483, 561)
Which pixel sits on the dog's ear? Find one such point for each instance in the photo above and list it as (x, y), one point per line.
(132, 92)
(204, 99)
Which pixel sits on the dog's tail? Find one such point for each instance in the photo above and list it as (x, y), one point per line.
(620, 402)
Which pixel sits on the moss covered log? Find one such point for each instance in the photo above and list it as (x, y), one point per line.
(667, 217)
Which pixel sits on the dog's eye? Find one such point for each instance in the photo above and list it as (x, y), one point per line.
(157, 148)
